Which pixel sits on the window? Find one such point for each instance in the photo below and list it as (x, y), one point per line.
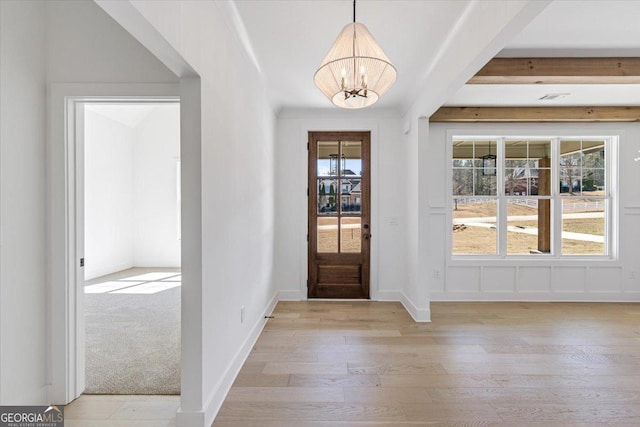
(505, 202)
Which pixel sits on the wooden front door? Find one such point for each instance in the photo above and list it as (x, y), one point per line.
(339, 207)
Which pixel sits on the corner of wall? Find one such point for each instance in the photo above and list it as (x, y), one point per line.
(419, 314)
(215, 400)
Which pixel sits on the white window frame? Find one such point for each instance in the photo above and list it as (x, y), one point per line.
(610, 197)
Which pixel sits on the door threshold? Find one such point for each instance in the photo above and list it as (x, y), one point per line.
(340, 299)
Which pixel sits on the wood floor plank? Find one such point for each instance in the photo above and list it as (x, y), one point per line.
(395, 368)
(450, 412)
(285, 394)
(324, 363)
(603, 413)
(619, 382)
(386, 394)
(534, 395)
(304, 368)
(310, 411)
(256, 356)
(439, 381)
(261, 380)
(305, 380)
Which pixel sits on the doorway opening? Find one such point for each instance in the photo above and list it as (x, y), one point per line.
(339, 215)
(130, 221)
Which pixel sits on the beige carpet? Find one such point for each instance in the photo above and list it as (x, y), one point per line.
(133, 333)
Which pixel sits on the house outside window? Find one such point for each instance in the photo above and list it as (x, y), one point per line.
(531, 197)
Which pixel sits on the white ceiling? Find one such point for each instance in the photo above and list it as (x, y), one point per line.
(580, 28)
(291, 37)
(568, 29)
(129, 114)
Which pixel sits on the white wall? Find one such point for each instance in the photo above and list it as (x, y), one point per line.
(540, 280)
(131, 206)
(85, 45)
(415, 288)
(109, 195)
(52, 41)
(388, 193)
(23, 294)
(236, 162)
(156, 151)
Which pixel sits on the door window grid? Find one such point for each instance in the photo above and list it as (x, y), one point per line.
(339, 180)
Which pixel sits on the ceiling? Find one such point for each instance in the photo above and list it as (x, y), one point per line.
(568, 29)
(130, 114)
(290, 37)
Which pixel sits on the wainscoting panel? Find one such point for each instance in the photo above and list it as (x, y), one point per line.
(498, 279)
(568, 279)
(463, 279)
(604, 279)
(533, 279)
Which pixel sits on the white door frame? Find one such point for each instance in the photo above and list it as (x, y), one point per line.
(65, 221)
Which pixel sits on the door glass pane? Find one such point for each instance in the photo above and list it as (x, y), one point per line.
(351, 195)
(351, 177)
(351, 164)
(327, 235)
(327, 158)
(327, 196)
(350, 234)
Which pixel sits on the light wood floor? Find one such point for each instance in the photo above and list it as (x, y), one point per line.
(476, 364)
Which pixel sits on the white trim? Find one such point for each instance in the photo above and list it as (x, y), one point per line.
(419, 314)
(67, 350)
(364, 125)
(581, 296)
(611, 143)
(215, 400)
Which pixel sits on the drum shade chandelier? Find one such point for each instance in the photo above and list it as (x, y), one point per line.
(356, 72)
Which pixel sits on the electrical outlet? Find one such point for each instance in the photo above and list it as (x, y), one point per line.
(633, 274)
(242, 314)
(436, 274)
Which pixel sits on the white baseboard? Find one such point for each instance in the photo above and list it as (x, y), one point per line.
(536, 296)
(418, 314)
(214, 402)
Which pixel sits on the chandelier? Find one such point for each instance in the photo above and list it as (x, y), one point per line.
(356, 72)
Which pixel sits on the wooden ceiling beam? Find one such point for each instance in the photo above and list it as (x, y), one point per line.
(536, 114)
(559, 71)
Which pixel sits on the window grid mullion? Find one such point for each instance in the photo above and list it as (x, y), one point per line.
(501, 210)
(555, 194)
(556, 204)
